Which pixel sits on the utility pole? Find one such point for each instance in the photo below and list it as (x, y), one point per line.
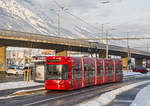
(103, 32)
(60, 9)
(58, 32)
(128, 52)
(106, 45)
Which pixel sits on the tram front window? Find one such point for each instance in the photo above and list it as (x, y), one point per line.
(55, 72)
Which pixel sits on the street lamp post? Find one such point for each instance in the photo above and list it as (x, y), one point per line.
(60, 9)
(58, 24)
(103, 32)
(128, 52)
(106, 40)
(58, 19)
(106, 45)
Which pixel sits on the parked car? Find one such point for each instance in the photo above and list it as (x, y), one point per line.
(142, 70)
(11, 69)
(18, 70)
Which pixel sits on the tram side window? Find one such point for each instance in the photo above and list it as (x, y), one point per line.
(86, 71)
(92, 70)
(106, 70)
(112, 67)
(117, 69)
(99, 69)
(78, 71)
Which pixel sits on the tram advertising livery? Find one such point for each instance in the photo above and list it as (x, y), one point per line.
(70, 73)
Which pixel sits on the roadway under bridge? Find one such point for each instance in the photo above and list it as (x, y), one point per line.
(61, 45)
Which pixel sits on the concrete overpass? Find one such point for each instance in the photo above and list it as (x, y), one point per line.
(61, 45)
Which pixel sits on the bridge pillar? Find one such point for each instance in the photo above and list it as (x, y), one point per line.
(138, 62)
(125, 63)
(62, 53)
(2, 61)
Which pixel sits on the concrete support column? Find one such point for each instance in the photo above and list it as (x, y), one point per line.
(138, 62)
(125, 63)
(2, 61)
(62, 53)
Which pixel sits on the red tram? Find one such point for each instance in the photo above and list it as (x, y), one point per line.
(70, 73)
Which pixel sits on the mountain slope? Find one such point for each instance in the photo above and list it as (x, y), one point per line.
(28, 16)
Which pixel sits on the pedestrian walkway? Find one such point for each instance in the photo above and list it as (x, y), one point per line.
(8, 88)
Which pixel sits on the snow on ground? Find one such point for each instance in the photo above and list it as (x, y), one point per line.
(129, 73)
(19, 84)
(142, 98)
(106, 98)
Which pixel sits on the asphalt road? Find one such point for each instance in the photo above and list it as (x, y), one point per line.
(65, 98)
